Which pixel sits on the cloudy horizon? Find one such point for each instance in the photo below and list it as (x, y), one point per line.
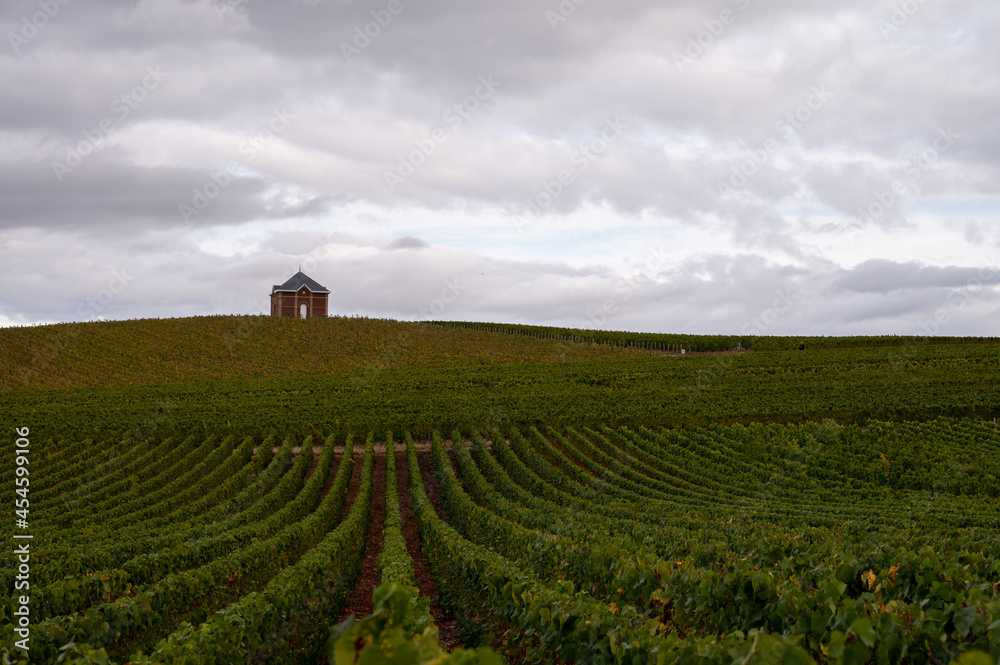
(686, 167)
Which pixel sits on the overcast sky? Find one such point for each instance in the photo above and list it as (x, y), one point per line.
(755, 166)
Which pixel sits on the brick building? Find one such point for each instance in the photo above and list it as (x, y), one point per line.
(301, 296)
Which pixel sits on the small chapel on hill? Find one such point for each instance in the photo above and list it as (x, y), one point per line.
(301, 296)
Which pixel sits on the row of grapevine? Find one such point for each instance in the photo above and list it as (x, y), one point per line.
(251, 494)
(555, 620)
(287, 620)
(75, 551)
(401, 628)
(813, 542)
(847, 385)
(238, 519)
(848, 579)
(702, 343)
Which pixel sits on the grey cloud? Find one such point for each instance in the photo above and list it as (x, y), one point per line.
(407, 242)
(713, 293)
(233, 65)
(883, 276)
(106, 194)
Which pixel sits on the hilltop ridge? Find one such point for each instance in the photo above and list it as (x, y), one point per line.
(153, 351)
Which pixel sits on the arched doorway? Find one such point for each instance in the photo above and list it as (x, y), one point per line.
(303, 311)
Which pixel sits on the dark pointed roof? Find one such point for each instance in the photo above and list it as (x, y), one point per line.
(297, 281)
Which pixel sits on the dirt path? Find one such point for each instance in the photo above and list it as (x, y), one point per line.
(359, 447)
(352, 489)
(360, 602)
(331, 477)
(443, 619)
(426, 463)
(312, 469)
(572, 458)
(498, 627)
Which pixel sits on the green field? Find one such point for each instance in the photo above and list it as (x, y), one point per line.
(224, 490)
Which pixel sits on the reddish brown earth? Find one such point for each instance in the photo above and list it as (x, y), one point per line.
(352, 489)
(443, 619)
(312, 469)
(426, 464)
(360, 602)
(555, 443)
(331, 477)
(500, 629)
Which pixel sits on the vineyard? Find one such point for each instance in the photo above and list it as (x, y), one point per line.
(706, 343)
(156, 351)
(211, 348)
(776, 543)
(579, 503)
